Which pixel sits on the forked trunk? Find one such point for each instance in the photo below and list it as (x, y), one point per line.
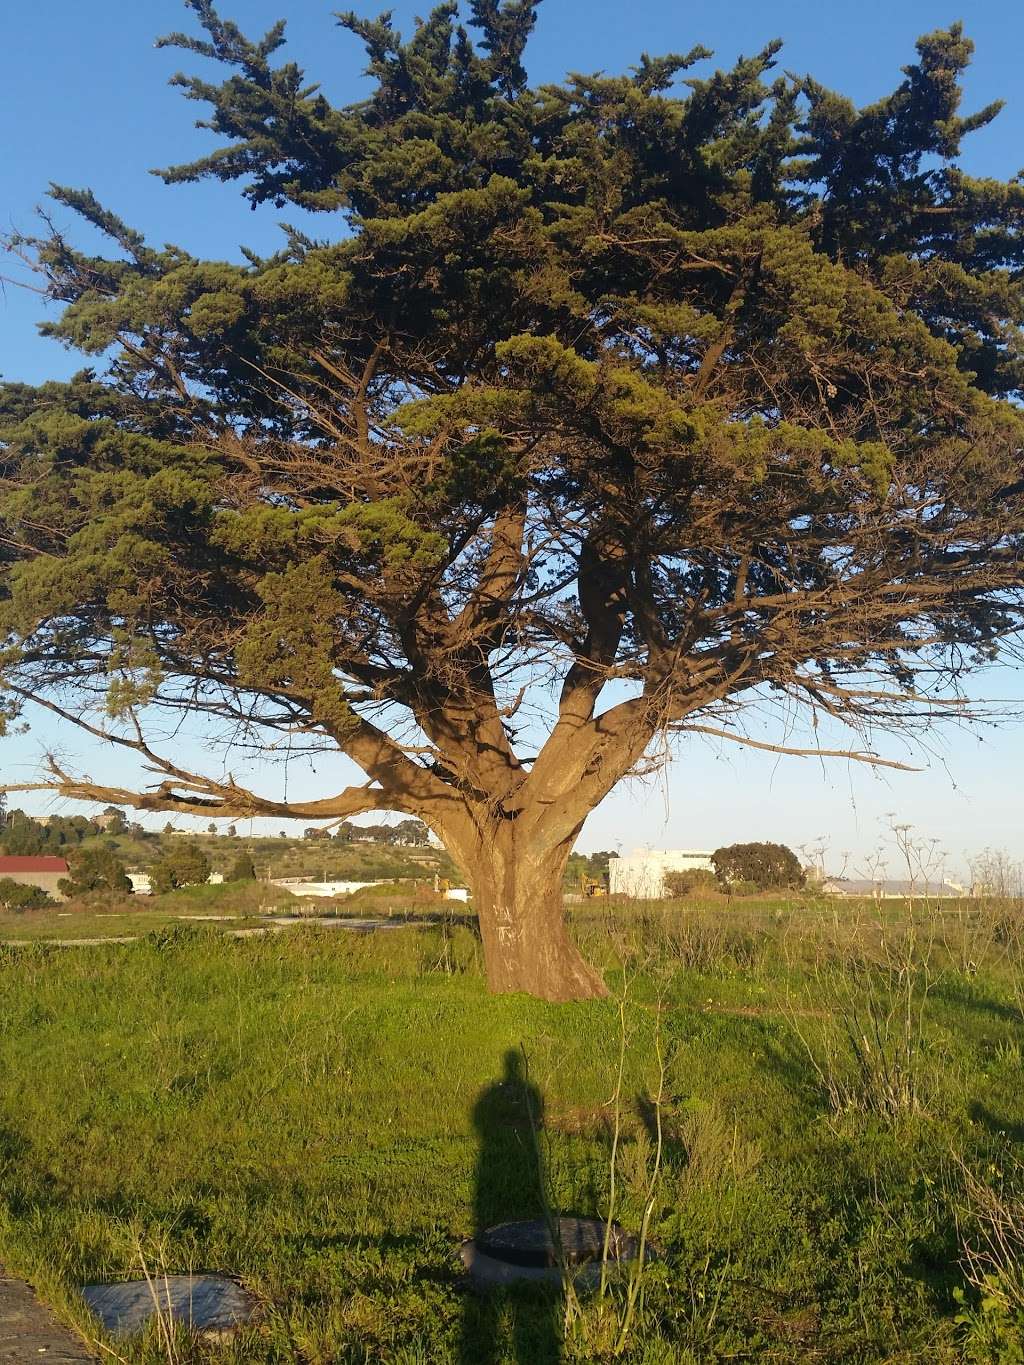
(517, 892)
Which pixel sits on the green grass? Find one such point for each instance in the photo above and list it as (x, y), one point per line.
(102, 916)
(316, 1113)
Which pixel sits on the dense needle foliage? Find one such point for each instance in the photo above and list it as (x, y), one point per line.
(600, 409)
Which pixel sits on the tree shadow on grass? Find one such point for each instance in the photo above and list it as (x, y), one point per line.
(788, 1060)
(998, 1126)
(966, 995)
(505, 1325)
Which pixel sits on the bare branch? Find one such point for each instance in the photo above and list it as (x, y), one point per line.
(857, 756)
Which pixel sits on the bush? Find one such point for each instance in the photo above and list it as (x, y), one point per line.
(744, 888)
(184, 866)
(696, 881)
(17, 896)
(95, 869)
(244, 869)
(768, 867)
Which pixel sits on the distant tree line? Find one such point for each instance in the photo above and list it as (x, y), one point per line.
(592, 865)
(404, 834)
(739, 869)
(23, 837)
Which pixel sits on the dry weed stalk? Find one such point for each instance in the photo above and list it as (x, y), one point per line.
(167, 1333)
(162, 1312)
(608, 1324)
(875, 986)
(991, 1227)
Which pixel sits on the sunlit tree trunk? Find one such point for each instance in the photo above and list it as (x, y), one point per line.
(518, 897)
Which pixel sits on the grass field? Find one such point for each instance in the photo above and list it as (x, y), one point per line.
(236, 905)
(321, 1114)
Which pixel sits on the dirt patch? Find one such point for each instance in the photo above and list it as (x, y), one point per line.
(30, 1331)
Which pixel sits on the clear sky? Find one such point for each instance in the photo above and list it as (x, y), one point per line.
(85, 103)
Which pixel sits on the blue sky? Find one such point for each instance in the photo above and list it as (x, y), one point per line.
(86, 103)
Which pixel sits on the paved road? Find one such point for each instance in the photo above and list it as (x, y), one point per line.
(275, 926)
(29, 1330)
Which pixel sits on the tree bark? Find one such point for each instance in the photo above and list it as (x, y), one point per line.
(518, 896)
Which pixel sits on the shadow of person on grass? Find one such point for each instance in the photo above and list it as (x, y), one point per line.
(505, 1325)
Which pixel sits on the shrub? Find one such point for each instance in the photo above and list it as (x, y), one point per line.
(95, 869)
(743, 888)
(767, 866)
(696, 881)
(17, 896)
(244, 869)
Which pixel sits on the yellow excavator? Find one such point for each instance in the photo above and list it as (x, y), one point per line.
(591, 886)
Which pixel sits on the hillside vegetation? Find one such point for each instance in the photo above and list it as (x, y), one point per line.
(332, 859)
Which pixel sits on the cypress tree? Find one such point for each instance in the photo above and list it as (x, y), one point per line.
(600, 411)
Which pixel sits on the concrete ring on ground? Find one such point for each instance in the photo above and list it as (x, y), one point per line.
(525, 1252)
(211, 1305)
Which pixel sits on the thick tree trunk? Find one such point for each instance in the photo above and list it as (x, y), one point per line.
(517, 893)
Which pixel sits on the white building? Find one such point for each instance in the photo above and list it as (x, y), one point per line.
(142, 884)
(299, 886)
(642, 874)
(303, 886)
(887, 889)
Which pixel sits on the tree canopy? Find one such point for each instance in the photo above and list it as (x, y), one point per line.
(602, 409)
(18, 896)
(23, 836)
(95, 869)
(243, 869)
(185, 865)
(764, 866)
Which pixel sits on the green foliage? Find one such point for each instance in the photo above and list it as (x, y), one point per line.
(402, 834)
(711, 386)
(762, 867)
(95, 869)
(243, 869)
(161, 877)
(696, 881)
(18, 896)
(591, 865)
(22, 836)
(182, 865)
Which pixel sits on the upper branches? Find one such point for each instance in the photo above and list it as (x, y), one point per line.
(690, 393)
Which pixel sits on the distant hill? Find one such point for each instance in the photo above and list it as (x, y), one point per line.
(329, 859)
(323, 859)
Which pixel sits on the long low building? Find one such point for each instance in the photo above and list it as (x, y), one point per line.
(642, 875)
(299, 886)
(888, 889)
(302, 886)
(45, 873)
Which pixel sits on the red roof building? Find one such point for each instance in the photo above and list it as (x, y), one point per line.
(46, 873)
(9, 866)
